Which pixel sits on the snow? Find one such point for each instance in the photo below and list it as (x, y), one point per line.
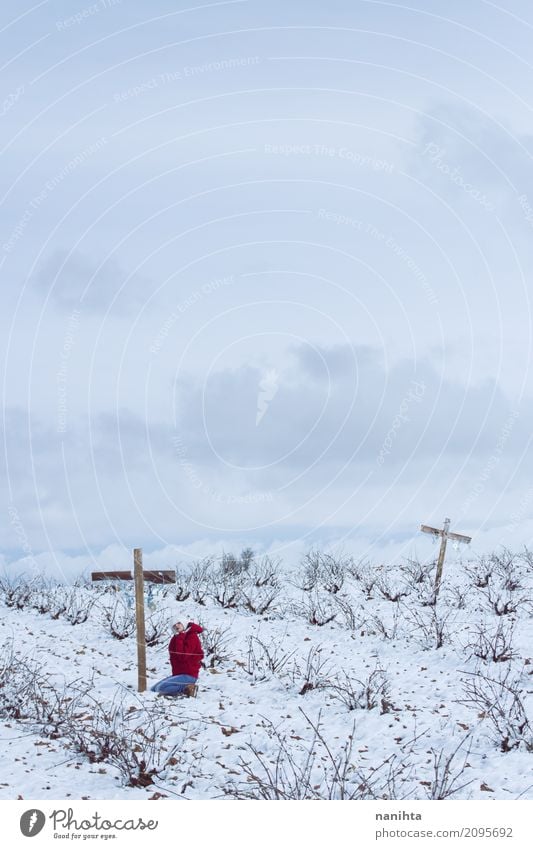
(243, 706)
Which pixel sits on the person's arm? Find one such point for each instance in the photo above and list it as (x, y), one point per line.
(172, 651)
(195, 650)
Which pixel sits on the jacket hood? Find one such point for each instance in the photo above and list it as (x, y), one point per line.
(196, 629)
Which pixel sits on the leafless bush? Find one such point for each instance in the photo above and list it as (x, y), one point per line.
(325, 571)
(368, 577)
(386, 626)
(499, 700)
(456, 595)
(215, 644)
(201, 579)
(56, 707)
(355, 694)
(313, 675)
(504, 601)
(16, 683)
(480, 571)
(27, 694)
(431, 624)
(181, 590)
(17, 590)
(263, 657)
(496, 645)
(448, 773)
(264, 572)
(312, 769)
(58, 601)
(352, 614)
(156, 628)
(417, 572)
(119, 619)
(509, 568)
(129, 739)
(78, 606)
(332, 573)
(259, 599)
(307, 577)
(392, 585)
(42, 597)
(226, 589)
(318, 609)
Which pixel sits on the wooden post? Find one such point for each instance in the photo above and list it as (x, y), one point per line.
(445, 535)
(139, 617)
(442, 552)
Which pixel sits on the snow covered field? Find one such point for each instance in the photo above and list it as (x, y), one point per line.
(349, 684)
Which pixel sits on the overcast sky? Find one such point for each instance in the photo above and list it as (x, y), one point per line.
(266, 274)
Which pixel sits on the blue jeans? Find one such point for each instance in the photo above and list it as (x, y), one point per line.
(173, 685)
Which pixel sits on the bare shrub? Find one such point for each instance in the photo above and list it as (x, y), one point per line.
(260, 599)
(312, 769)
(509, 568)
(16, 683)
(201, 580)
(41, 600)
(271, 657)
(125, 738)
(503, 601)
(261, 587)
(156, 628)
(480, 571)
(215, 644)
(27, 694)
(332, 573)
(431, 625)
(78, 606)
(182, 588)
(496, 645)
(264, 572)
(226, 589)
(456, 595)
(313, 675)
(58, 601)
(54, 708)
(448, 771)
(318, 609)
(352, 614)
(392, 585)
(235, 567)
(499, 700)
(368, 577)
(17, 590)
(234, 574)
(119, 619)
(368, 694)
(417, 572)
(386, 626)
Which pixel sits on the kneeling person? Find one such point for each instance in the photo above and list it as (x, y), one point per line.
(186, 655)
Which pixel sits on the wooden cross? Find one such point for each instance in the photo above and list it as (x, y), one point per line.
(445, 535)
(139, 576)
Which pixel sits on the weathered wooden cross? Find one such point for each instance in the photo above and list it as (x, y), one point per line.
(163, 576)
(445, 535)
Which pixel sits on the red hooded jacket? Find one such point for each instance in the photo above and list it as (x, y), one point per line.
(185, 650)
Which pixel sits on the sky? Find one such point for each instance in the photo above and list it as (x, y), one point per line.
(265, 278)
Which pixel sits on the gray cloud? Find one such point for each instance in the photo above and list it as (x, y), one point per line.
(74, 280)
